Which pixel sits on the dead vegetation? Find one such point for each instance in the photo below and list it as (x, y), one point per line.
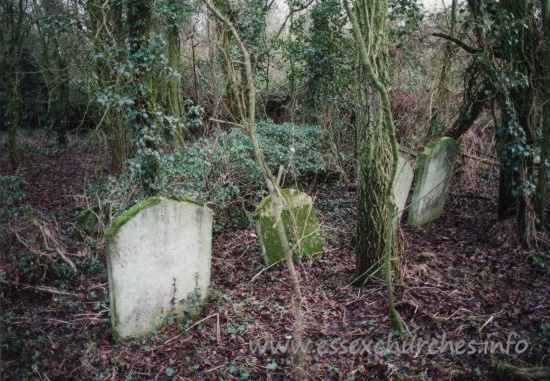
(459, 279)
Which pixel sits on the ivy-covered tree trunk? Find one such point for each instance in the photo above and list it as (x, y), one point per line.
(543, 186)
(518, 120)
(107, 28)
(373, 139)
(144, 136)
(234, 103)
(175, 101)
(376, 147)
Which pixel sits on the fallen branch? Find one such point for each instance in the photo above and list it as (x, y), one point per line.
(218, 331)
(528, 374)
(481, 159)
(50, 290)
(47, 235)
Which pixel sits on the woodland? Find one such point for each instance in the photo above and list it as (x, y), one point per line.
(106, 103)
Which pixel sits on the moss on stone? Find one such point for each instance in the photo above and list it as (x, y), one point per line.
(88, 221)
(127, 215)
(300, 223)
(119, 221)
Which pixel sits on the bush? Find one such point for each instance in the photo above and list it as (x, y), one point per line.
(221, 170)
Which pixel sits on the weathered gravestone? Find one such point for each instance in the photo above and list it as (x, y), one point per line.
(402, 185)
(433, 177)
(158, 260)
(301, 226)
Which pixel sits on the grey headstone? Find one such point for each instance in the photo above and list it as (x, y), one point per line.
(402, 185)
(159, 262)
(433, 177)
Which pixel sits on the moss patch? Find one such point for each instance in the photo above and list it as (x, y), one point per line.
(118, 222)
(300, 222)
(88, 221)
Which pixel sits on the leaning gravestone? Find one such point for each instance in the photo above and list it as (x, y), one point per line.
(435, 170)
(402, 185)
(301, 226)
(158, 260)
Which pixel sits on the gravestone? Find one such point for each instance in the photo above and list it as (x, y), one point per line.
(433, 177)
(301, 226)
(158, 260)
(402, 185)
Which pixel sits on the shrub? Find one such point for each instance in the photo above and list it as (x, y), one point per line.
(221, 171)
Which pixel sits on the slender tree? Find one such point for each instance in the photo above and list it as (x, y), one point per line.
(376, 147)
(248, 122)
(502, 71)
(13, 32)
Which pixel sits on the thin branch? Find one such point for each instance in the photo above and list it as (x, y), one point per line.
(467, 48)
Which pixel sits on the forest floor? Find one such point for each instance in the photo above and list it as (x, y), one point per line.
(463, 278)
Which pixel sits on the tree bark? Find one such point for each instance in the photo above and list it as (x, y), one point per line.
(376, 148)
(518, 121)
(543, 186)
(139, 24)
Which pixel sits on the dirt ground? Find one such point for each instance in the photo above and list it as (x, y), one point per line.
(462, 278)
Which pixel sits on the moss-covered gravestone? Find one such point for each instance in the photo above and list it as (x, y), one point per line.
(158, 260)
(433, 177)
(301, 226)
(88, 221)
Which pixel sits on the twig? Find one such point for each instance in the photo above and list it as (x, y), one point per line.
(217, 315)
(481, 159)
(56, 248)
(226, 122)
(486, 323)
(264, 269)
(50, 290)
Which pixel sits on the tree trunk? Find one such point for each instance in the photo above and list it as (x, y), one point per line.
(15, 36)
(175, 102)
(144, 135)
(14, 111)
(543, 186)
(376, 148)
(518, 121)
(444, 86)
(104, 36)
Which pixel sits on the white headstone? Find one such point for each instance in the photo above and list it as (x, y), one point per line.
(435, 170)
(159, 261)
